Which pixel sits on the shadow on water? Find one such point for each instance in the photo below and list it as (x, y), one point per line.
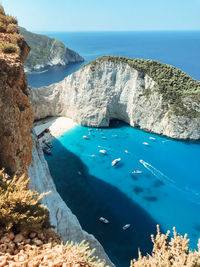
(90, 198)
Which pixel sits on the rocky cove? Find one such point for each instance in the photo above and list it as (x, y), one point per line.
(111, 88)
(106, 89)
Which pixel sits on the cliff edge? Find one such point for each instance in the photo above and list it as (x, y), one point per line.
(46, 51)
(16, 114)
(144, 93)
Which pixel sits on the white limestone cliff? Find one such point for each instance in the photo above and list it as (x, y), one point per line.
(108, 90)
(65, 222)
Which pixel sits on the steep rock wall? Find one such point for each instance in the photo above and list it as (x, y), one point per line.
(16, 114)
(109, 90)
(51, 51)
(66, 224)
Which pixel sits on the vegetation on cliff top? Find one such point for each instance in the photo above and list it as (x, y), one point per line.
(43, 48)
(173, 84)
(9, 33)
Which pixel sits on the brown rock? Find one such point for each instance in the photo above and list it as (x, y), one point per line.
(41, 236)
(11, 235)
(5, 239)
(37, 242)
(3, 248)
(16, 114)
(27, 241)
(18, 238)
(32, 235)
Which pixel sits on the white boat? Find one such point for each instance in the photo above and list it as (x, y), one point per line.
(141, 161)
(85, 137)
(137, 171)
(115, 161)
(152, 138)
(104, 220)
(103, 151)
(145, 143)
(126, 226)
(126, 151)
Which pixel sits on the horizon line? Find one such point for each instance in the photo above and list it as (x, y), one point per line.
(177, 30)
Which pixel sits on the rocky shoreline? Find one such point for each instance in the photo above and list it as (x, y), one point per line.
(113, 89)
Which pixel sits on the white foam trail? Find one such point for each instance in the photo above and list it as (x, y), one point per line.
(190, 194)
(161, 176)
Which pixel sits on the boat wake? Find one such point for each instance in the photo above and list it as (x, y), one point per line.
(189, 193)
(158, 174)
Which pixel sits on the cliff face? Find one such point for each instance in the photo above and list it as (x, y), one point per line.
(16, 114)
(66, 224)
(46, 51)
(114, 89)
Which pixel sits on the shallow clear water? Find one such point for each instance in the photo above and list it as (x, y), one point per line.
(167, 191)
(178, 48)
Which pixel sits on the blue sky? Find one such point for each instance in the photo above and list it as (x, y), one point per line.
(101, 15)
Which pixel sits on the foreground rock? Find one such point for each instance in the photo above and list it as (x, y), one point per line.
(146, 94)
(66, 224)
(16, 114)
(46, 51)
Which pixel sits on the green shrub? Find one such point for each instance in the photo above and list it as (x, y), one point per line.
(20, 208)
(9, 48)
(173, 83)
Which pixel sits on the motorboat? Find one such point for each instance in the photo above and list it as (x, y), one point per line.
(152, 138)
(137, 171)
(141, 161)
(49, 144)
(103, 151)
(85, 137)
(46, 150)
(103, 220)
(126, 226)
(145, 143)
(126, 151)
(115, 161)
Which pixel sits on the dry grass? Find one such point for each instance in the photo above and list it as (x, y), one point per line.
(10, 38)
(169, 253)
(20, 208)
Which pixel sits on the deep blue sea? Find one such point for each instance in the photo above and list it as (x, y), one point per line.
(178, 48)
(166, 192)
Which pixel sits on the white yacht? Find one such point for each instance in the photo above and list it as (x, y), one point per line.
(115, 161)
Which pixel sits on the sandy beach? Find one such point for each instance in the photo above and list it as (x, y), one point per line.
(56, 125)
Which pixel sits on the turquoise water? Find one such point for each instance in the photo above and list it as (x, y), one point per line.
(167, 191)
(178, 48)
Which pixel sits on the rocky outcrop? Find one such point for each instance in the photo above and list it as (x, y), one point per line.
(66, 224)
(116, 88)
(46, 51)
(16, 114)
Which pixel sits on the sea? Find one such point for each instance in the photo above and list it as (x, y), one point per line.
(166, 189)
